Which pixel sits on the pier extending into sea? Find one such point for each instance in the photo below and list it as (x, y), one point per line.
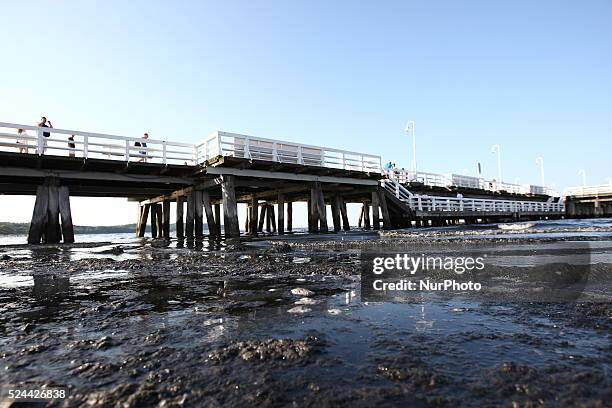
(207, 181)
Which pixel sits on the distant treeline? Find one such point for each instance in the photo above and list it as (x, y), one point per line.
(14, 228)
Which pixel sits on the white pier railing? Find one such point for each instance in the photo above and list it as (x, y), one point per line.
(55, 142)
(604, 189)
(430, 203)
(258, 148)
(458, 180)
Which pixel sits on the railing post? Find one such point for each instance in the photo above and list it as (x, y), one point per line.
(275, 152)
(85, 146)
(40, 147)
(299, 155)
(433, 203)
(461, 204)
(164, 152)
(343, 161)
(127, 150)
(247, 148)
(218, 139)
(420, 203)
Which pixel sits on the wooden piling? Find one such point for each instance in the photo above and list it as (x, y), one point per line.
(360, 222)
(375, 211)
(190, 215)
(159, 219)
(366, 216)
(281, 214)
(335, 210)
(213, 228)
(153, 220)
(382, 201)
(198, 218)
(180, 231)
(53, 232)
(166, 219)
(66, 214)
(254, 208)
(262, 217)
(289, 216)
(344, 214)
(268, 218)
(218, 219)
(313, 223)
(230, 207)
(142, 220)
(320, 206)
(39, 215)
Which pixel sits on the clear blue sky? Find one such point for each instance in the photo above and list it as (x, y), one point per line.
(534, 77)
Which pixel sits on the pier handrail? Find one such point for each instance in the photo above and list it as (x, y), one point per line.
(455, 204)
(90, 144)
(589, 190)
(259, 148)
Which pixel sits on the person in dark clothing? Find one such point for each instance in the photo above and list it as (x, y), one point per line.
(71, 145)
(46, 124)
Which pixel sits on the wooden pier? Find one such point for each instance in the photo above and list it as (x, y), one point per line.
(207, 181)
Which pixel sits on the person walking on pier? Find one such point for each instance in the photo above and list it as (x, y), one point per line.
(143, 152)
(46, 124)
(71, 146)
(21, 133)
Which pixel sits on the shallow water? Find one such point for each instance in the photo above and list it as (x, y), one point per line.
(144, 323)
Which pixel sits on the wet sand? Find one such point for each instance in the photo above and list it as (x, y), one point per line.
(282, 323)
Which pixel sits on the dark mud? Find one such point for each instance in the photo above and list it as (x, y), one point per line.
(156, 326)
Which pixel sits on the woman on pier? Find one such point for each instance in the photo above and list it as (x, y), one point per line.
(143, 153)
(21, 133)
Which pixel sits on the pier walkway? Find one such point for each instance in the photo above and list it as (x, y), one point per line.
(266, 175)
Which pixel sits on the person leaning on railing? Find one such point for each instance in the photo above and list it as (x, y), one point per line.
(21, 135)
(143, 153)
(46, 124)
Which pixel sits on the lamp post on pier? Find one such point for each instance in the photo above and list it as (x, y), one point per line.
(497, 149)
(583, 174)
(410, 128)
(540, 161)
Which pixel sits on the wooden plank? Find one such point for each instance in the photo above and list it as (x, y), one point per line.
(183, 192)
(190, 215)
(180, 229)
(375, 211)
(289, 176)
(289, 216)
(230, 208)
(254, 208)
(281, 214)
(66, 214)
(198, 213)
(208, 211)
(39, 215)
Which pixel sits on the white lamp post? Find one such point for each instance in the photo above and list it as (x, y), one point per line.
(497, 149)
(540, 162)
(409, 128)
(583, 174)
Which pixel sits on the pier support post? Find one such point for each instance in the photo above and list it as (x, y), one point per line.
(262, 217)
(253, 226)
(360, 222)
(153, 220)
(268, 218)
(375, 211)
(281, 214)
(199, 215)
(213, 227)
(142, 220)
(66, 215)
(166, 219)
(382, 201)
(313, 224)
(289, 216)
(159, 218)
(318, 208)
(180, 231)
(190, 215)
(335, 210)
(366, 216)
(39, 215)
(344, 214)
(217, 219)
(230, 208)
(53, 232)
